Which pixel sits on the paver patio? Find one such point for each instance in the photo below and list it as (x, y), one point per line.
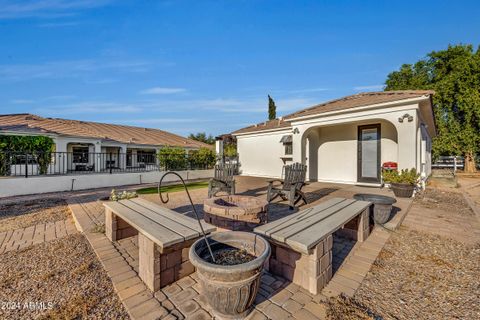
(277, 298)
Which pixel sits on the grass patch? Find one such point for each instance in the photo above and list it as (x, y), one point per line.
(174, 188)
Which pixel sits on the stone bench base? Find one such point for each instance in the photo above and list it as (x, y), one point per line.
(157, 267)
(312, 272)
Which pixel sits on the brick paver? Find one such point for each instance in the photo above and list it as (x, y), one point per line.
(25, 237)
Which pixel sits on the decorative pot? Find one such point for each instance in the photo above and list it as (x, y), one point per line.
(230, 290)
(402, 190)
(382, 205)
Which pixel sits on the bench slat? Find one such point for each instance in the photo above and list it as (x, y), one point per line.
(155, 232)
(285, 222)
(297, 227)
(187, 221)
(182, 230)
(309, 237)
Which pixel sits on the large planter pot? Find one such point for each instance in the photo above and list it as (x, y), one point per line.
(403, 190)
(230, 290)
(382, 205)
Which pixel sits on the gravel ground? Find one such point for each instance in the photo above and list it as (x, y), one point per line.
(446, 200)
(420, 276)
(63, 273)
(16, 215)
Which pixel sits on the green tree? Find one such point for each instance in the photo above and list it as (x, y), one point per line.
(202, 137)
(272, 109)
(230, 150)
(454, 74)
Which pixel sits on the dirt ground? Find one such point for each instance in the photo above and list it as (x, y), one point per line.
(450, 200)
(21, 214)
(61, 279)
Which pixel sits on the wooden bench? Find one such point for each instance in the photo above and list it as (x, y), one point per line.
(302, 242)
(164, 238)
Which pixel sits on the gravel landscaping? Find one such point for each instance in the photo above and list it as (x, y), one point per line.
(61, 279)
(446, 200)
(420, 276)
(21, 214)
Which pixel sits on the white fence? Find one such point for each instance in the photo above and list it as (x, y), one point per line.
(10, 186)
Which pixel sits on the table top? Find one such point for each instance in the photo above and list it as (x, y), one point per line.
(304, 229)
(163, 226)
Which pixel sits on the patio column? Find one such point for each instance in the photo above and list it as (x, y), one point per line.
(98, 156)
(407, 142)
(122, 158)
(298, 146)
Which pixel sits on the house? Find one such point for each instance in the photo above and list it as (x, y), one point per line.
(92, 146)
(344, 140)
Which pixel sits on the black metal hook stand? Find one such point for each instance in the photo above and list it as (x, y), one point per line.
(191, 202)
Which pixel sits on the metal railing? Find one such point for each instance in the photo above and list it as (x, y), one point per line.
(67, 163)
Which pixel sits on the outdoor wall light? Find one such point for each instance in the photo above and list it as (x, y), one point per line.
(407, 116)
(295, 131)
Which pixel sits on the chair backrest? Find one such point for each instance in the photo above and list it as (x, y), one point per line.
(295, 173)
(224, 172)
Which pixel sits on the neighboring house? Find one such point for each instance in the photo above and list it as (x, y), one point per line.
(92, 146)
(345, 140)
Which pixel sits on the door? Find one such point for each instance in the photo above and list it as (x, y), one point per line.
(368, 161)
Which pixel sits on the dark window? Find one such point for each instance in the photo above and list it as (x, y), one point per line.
(288, 148)
(147, 157)
(80, 154)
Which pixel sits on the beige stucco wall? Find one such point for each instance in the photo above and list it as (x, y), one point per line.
(260, 155)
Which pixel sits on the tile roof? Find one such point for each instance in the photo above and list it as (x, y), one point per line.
(352, 101)
(111, 132)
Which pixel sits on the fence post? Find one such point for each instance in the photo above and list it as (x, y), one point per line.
(454, 164)
(26, 165)
(110, 162)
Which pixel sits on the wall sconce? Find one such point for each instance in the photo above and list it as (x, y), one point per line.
(295, 131)
(407, 116)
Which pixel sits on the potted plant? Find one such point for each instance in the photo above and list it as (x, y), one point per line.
(402, 182)
(230, 284)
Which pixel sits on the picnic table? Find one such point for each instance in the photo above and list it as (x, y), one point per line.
(302, 242)
(164, 238)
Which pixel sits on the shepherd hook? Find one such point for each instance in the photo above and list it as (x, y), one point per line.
(191, 203)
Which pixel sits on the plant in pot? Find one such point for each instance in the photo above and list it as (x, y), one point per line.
(231, 282)
(402, 182)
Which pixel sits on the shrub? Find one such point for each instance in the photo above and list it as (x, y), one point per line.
(203, 158)
(404, 176)
(171, 158)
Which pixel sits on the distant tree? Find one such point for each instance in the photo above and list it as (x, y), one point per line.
(202, 137)
(454, 74)
(272, 109)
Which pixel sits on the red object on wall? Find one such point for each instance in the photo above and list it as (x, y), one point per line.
(390, 165)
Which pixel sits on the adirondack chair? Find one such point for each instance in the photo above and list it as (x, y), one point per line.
(223, 180)
(291, 186)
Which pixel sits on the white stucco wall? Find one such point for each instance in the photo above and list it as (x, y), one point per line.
(24, 186)
(260, 155)
(337, 151)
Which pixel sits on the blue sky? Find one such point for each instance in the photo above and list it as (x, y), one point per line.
(190, 66)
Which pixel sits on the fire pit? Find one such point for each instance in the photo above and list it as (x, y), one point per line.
(235, 212)
(231, 284)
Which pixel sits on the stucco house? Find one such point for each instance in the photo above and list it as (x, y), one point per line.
(93, 146)
(344, 140)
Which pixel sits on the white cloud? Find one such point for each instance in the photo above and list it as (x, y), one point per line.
(46, 8)
(370, 87)
(88, 107)
(68, 69)
(162, 90)
(21, 101)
